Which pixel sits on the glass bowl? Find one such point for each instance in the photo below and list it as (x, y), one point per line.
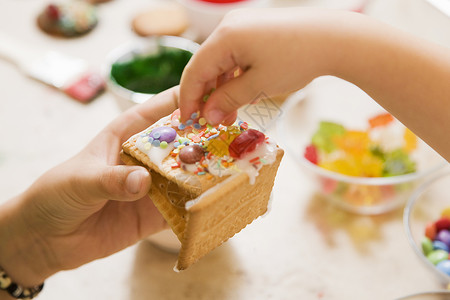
(425, 206)
(433, 295)
(331, 99)
(134, 49)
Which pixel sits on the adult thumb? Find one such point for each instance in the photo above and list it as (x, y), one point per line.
(226, 99)
(125, 183)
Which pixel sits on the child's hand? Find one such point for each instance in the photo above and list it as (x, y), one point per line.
(276, 51)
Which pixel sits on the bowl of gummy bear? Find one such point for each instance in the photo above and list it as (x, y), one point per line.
(426, 220)
(359, 156)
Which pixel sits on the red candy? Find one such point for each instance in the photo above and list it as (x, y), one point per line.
(430, 231)
(53, 12)
(245, 142)
(381, 120)
(442, 223)
(311, 154)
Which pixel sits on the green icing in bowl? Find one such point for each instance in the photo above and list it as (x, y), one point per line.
(152, 73)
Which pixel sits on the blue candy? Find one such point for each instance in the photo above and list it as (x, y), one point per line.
(438, 245)
(444, 236)
(444, 266)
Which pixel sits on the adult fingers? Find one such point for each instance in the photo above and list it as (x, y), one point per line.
(143, 115)
(125, 183)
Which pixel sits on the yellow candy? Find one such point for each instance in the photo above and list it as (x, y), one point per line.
(217, 147)
(353, 142)
(371, 166)
(410, 140)
(446, 212)
(342, 166)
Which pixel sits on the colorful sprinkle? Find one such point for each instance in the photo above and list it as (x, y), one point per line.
(182, 127)
(194, 116)
(163, 145)
(202, 121)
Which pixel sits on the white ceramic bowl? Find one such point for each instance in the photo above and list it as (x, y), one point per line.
(205, 16)
(334, 100)
(139, 47)
(425, 206)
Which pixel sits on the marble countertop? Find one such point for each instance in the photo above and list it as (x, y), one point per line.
(303, 248)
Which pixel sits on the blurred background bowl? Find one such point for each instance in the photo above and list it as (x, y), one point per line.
(144, 47)
(204, 16)
(425, 206)
(432, 295)
(344, 103)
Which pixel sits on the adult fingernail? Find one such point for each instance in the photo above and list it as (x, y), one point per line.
(134, 181)
(214, 116)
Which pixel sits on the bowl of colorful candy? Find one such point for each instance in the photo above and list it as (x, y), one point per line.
(358, 155)
(427, 224)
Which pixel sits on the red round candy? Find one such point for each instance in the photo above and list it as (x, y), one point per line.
(246, 142)
(442, 223)
(430, 231)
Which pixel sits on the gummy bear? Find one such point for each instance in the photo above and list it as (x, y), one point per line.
(410, 140)
(323, 138)
(382, 119)
(353, 142)
(311, 154)
(398, 163)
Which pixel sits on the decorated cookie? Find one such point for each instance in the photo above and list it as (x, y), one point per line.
(208, 182)
(161, 20)
(68, 19)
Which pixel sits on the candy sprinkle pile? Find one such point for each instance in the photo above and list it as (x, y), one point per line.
(203, 149)
(382, 149)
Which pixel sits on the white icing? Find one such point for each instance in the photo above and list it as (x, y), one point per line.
(154, 153)
(266, 152)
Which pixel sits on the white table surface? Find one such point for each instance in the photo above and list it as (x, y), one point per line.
(302, 249)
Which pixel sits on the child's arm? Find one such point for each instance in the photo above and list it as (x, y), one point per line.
(281, 50)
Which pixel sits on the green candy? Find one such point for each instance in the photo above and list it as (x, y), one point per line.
(398, 162)
(427, 245)
(437, 256)
(323, 137)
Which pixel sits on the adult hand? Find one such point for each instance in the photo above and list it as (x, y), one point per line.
(85, 208)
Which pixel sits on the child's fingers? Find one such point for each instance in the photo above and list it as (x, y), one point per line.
(211, 61)
(230, 96)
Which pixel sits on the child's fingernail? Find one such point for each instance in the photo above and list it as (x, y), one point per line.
(215, 116)
(134, 181)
